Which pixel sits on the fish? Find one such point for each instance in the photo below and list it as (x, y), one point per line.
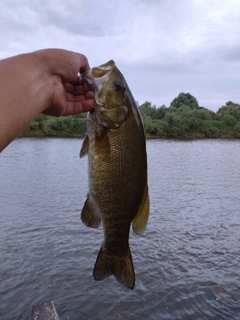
(117, 171)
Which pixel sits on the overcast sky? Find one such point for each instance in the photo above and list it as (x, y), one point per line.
(163, 47)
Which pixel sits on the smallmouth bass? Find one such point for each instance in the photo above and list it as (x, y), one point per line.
(117, 169)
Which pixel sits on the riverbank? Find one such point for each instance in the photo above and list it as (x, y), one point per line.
(184, 122)
(194, 136)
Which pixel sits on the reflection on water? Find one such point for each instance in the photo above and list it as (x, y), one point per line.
(227, 296)
(191, 244)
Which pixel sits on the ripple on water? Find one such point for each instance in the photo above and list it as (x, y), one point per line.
(191, 243)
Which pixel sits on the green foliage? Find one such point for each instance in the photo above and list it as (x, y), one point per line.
(212, 132)
(214, 123)
(63, 126)
(161, 128)
(33, 126)
(185, 99)
(184, 118)
(231, 109)
(148, 124)
(236, 130)
(229, 120)
(152, 111)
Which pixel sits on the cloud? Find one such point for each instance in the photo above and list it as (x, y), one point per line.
(162, 47)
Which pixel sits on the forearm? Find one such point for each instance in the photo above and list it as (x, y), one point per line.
(26, 89)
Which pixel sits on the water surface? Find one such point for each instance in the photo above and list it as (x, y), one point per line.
(191, 244)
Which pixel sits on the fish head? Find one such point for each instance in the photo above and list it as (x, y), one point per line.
(109, 86)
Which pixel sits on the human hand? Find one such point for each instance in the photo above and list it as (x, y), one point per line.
(71, 95)
(45, 81)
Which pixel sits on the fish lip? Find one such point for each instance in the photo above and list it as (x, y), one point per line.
(86, 73)
(89, 78)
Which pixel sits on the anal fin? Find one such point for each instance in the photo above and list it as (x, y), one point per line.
(89, 217)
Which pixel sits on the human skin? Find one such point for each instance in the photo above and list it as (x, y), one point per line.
(45, 81)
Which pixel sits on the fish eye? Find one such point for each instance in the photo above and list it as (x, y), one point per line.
(117, 85)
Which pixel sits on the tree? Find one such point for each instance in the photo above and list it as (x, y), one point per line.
(185, 99)
(147, 109)
(230, 110)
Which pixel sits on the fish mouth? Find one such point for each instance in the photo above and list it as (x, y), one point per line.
(93, 82)
(94, 77)
(88, 78)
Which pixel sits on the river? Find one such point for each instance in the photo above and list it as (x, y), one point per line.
(191, 243)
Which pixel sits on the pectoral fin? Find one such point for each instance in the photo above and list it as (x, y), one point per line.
(84, 149)
(102, 146)
(140, 220)
(89, 217)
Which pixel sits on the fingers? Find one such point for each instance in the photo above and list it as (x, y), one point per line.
(84, 65)
(78, 80)
(78, 90)
(77, 107)
(86, 105)
(80, 97)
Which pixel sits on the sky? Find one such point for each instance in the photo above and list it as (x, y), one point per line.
(162, 47)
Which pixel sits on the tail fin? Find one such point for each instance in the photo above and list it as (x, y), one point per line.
(121, 266)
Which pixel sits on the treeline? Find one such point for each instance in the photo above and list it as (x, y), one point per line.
(184, 118)
(62, 127)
